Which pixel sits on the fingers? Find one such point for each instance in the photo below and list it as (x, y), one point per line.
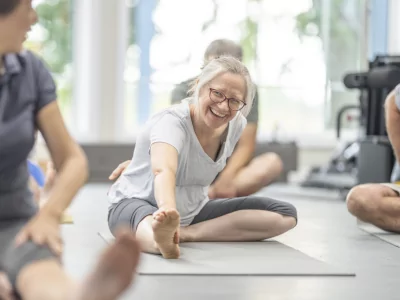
(118, 171)
(21, 238)
(160, 215)
(46, 236)
(5, 288)
(56, 245)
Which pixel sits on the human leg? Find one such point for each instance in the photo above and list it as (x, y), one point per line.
(155, 230)
(36, 273)
(6, 292)
(114, 272)
(377, 204)
(241, 219)
(260, 172)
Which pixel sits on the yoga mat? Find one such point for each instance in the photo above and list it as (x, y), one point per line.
(388, 237)
(269, 258)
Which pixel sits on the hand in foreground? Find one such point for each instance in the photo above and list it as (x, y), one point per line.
(6, 290)
(43, 229)
(222, 189)
(118, 170)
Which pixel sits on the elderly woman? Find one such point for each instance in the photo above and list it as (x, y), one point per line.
(163, 193)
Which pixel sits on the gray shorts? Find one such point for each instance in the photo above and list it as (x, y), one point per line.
(16, 209)
(12, 259)
(133, 211)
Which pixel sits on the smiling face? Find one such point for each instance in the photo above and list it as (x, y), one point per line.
(15, 26)
(229, 85)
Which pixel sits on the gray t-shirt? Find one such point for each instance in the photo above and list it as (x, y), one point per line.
(181, 91)
(26, 86)
(196, 170)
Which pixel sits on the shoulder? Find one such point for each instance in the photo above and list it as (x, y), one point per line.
(174, 116)
(32, 60)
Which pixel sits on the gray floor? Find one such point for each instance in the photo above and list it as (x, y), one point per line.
(325, 231)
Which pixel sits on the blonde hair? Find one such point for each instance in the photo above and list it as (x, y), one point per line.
(218, 66)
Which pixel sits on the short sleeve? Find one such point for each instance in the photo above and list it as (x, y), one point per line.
(169, 129)
(253, 115)
(397, 96)
(46, 88)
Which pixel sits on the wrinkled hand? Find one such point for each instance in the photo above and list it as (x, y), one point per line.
(222, 189)
(118, 171)
(43, 229)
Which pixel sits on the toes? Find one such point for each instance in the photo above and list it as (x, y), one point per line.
(172, 214)
(160, 217)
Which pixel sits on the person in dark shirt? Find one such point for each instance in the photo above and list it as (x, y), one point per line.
(31, 244)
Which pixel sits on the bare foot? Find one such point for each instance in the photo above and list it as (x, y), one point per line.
(115, 269)
(165, 228)
(6, 292)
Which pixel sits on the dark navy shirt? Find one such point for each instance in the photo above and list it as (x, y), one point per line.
(25, 88)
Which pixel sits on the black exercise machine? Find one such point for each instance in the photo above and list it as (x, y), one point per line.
(370, 158)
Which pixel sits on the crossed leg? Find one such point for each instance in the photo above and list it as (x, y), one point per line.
(377, 204)
(261, 171)
(235, 219)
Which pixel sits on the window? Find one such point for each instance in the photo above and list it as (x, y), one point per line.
(297, 53)
(50, 38)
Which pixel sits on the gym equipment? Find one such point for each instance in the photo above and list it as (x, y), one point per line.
(269, 258)
(369, 159)
(388, 237)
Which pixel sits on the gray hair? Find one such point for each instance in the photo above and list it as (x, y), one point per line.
(220, 65)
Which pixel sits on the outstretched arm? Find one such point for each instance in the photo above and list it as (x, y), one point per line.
(164, 163)
(392, 112)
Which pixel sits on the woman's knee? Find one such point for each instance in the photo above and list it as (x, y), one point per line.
(286, 210)
(272, 166)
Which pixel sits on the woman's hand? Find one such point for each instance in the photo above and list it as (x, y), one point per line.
(44, 230)
(222, 189)
(118, 170)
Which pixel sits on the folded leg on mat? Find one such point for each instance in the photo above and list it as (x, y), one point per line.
(378, 204)
(241, 219)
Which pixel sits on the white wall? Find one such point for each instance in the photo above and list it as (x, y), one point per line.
(394, 27)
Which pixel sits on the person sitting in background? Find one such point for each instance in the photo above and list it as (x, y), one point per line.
(379, 204)
(244, 174)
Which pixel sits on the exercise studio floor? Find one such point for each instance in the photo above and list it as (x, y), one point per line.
(326, 236)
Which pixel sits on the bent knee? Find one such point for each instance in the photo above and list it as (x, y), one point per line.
(289, 222)
(363, 198)
(275, 162)
(289, 212)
